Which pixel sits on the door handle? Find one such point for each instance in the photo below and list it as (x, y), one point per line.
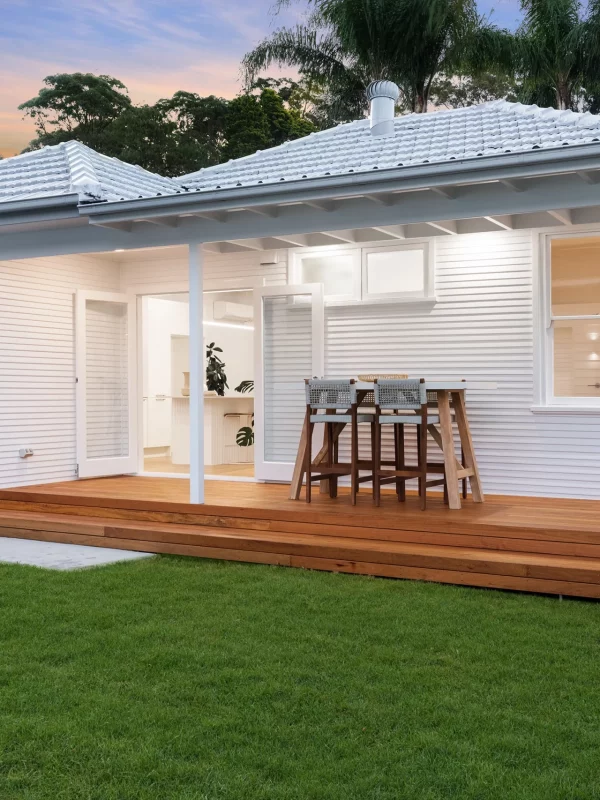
(594, 385)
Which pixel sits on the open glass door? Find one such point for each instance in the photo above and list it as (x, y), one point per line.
(288, 339)
(105, 343)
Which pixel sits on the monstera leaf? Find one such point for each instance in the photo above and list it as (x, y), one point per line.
(245, 387)
(245, 437)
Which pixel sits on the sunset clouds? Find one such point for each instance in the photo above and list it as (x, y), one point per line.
(154, 46)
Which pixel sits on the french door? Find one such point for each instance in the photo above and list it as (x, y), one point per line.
(105, 392)
(289, 347)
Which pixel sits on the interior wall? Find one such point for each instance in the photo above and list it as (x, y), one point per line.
(237, 343)
(37, 363)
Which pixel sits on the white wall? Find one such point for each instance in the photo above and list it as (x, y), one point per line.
(37, 363)
(480, 329)
(237, 343)
(162, 319)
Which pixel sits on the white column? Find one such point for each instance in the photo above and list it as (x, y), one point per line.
(197, 376)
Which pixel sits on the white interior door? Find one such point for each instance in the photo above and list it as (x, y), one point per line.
(289, 347)
(106, 401)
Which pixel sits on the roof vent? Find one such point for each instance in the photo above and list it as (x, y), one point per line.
(382, 96)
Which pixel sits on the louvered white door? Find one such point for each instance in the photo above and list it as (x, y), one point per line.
(289, 347)
(105, 336)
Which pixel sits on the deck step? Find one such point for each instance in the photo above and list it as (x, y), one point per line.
(502, 568)
(417, 527)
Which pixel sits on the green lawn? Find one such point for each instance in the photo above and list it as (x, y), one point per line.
(174, 678)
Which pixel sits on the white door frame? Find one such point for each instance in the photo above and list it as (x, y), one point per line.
(210, 286)
(86, 467)
(276, 471)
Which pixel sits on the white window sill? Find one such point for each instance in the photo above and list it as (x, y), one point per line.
(388, 301)
(419, 304)
(557, 409)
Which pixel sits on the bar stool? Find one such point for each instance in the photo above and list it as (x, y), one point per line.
(331, 396)
(410, 397)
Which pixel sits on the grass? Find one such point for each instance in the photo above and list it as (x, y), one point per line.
(186, 679)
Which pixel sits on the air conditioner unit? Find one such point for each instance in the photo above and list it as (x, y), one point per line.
(232, 312)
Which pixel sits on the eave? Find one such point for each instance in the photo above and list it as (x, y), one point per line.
(444, 179)
(39, 209)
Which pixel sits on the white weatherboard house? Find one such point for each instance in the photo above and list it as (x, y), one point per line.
(457, 244)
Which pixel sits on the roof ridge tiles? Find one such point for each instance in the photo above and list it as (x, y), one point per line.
(83, 175)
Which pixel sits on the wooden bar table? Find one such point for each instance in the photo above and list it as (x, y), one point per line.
(450, 397)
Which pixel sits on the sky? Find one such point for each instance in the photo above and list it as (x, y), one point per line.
(155, 47)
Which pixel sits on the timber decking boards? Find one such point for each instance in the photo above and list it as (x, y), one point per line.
(530, 544)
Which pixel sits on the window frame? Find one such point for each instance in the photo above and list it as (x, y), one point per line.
(425, 246)
(320, 252)
(359, 252)
(546, 400)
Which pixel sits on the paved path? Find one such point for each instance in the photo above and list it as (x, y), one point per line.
(53, 555)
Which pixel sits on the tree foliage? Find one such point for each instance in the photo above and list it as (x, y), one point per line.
(346, 44)
(78, 103)
(458, 91)
(554, 56)
(175, 136)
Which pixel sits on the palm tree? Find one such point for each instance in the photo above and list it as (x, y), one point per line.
(554, 55)
(549, 51)
(348, 43)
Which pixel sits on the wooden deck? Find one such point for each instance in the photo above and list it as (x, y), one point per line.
(528, 544)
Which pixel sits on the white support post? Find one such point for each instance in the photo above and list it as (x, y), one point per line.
(197, 375)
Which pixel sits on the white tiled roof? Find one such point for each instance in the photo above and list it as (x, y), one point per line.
(490, 129)
(73, 168)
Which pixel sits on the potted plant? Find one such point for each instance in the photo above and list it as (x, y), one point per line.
(216, 378)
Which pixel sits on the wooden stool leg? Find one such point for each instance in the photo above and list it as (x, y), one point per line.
(377, 465)
(354, 459)
(401, 462)
(336, 459)
(330, 457)
(422, 434)
(308, 457)
(397, 459)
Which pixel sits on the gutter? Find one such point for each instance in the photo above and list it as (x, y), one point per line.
(536, 163)
(39, 209)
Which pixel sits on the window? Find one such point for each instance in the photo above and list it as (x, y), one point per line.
(398, 273)
(573, 321)
(338, 271)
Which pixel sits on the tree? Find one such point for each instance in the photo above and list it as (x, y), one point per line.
(549, 51)
(144, 135)
(257, 122)
(458, 91)
(246, 127)
(75, 106)
(554, 55)
(173, 137)
(348, 43)
(200, 123)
